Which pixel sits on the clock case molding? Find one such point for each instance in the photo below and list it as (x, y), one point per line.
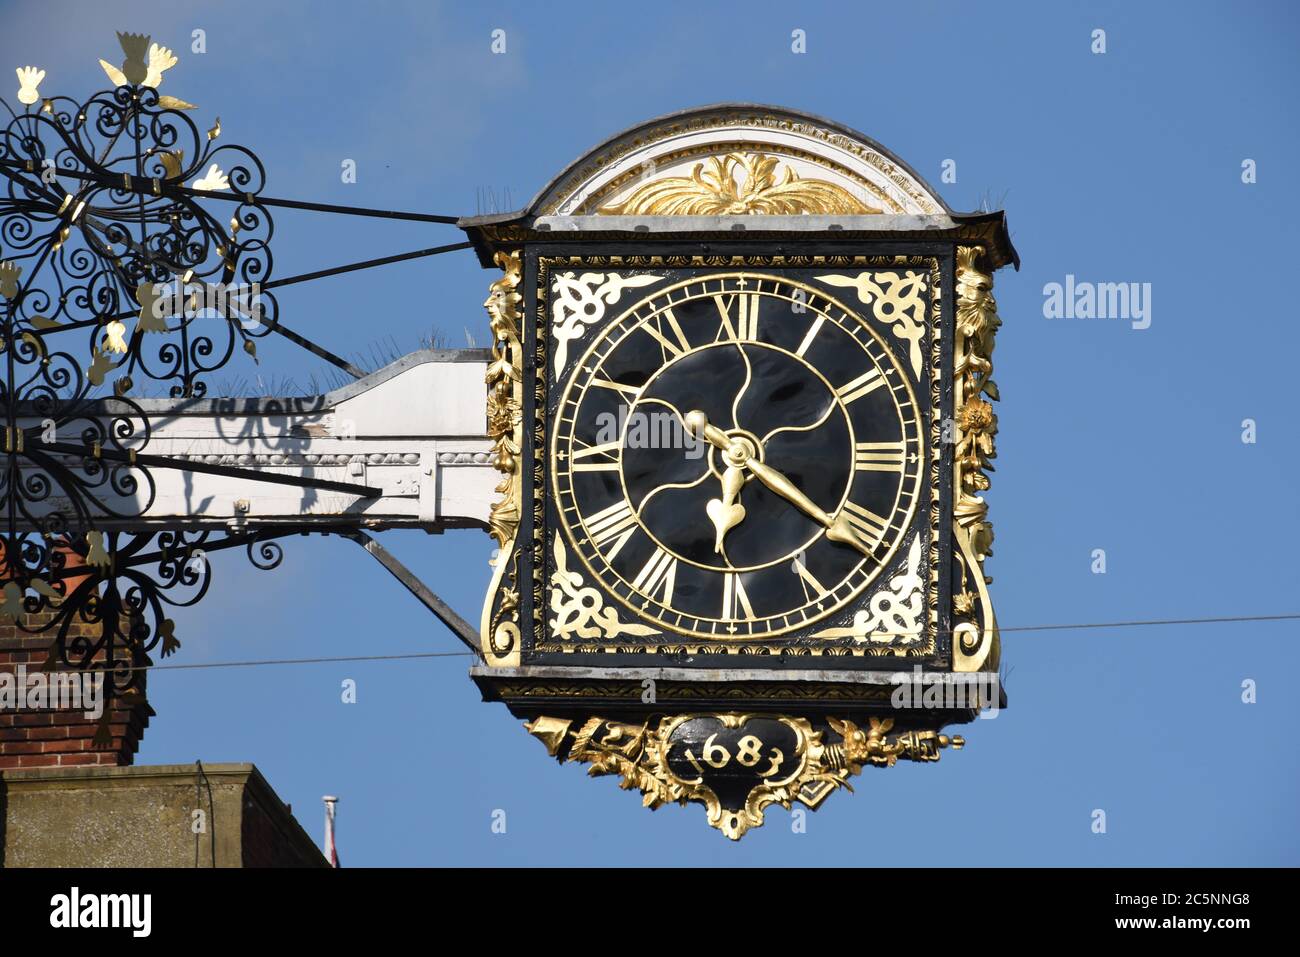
(619, 207)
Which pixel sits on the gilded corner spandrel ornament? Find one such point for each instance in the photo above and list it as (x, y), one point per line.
(738, 184)
(894, 615)
(976, 644)
(897, 300)
(735, 765)
(500, 622)
(580, 612)
(580, 302)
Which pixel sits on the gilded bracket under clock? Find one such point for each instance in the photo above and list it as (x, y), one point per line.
(639, 755)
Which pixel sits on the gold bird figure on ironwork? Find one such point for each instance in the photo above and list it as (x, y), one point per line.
(135, 68)
(9, 273)
(212, 181)
(29, 78)
(96, 555)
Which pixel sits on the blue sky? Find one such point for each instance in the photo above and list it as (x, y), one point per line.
(1119, 167)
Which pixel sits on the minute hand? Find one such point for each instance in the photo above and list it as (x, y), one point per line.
(838, 528)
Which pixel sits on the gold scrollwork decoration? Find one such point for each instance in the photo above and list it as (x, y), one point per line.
(896, 300)
(580, 301)
(740, 183)
(976, 643)
(894, 615)
(580, 612)
(639, 754)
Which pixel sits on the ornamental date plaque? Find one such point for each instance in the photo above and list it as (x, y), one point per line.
(739, 400)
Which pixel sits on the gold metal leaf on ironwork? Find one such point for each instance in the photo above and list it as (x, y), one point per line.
(10, 272)
(29, 79)
(213, 181)
(174, 103)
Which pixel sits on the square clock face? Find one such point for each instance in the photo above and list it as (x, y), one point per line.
(739, 457)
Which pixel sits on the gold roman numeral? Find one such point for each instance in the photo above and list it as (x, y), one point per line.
(815, 328)
(657, 577)
(875, 456)
(734, 599)
(807, 580)
(630, 392)
(865, 521)
(605, 454)
(868, 382)
(612, 525)
(672, 342)
(745, 306)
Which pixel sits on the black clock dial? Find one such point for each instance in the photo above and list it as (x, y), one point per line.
(736, 456)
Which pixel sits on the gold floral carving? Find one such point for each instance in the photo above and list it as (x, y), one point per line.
(500, 622)
(896, 300)
(504, 405)
(975, 635)
(580, 301)
(738, 184)
(893, 615)
(580, 612)
(638, 754)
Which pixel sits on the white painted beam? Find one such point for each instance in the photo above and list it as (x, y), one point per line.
(416, 430)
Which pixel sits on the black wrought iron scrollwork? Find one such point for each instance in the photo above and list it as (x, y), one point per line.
(164, 279)
(109, 612)
(133, 249)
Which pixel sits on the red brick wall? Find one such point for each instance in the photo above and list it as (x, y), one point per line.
(60, 738)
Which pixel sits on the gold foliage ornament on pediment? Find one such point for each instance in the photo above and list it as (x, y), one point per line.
(738, 184)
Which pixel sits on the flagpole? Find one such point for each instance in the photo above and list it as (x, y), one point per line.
(331, 850)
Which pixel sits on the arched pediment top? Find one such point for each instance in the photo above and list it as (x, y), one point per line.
(737, 159)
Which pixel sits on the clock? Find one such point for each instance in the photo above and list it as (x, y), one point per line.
(740, 399)
(734, 454)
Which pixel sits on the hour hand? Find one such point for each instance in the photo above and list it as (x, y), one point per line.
(726, 513)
